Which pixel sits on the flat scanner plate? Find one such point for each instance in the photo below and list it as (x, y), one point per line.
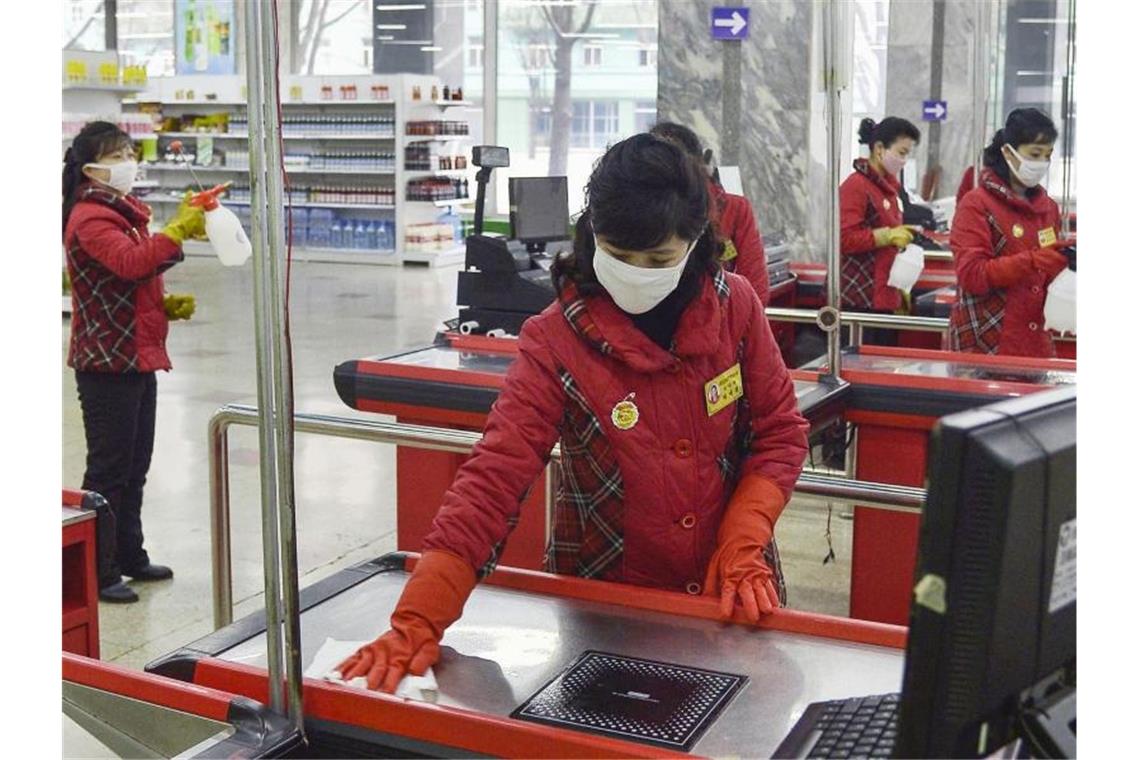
(629, 698)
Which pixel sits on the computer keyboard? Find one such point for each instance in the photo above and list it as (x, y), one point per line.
(844, 728)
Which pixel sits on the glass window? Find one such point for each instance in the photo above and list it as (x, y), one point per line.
(333, 37)
(644, 115)
(605, 123)
(146, 35)
(475, 53)
(84, 25)
(595, 88)
(580, 125)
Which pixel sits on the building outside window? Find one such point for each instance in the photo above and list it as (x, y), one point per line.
(475, 53)
(559, 119)
(644, 115)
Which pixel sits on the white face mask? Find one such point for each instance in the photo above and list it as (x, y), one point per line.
(893, 162)
(1031, 172)
(122, 175)
(635, 289)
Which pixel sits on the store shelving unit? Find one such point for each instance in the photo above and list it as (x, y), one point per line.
(179, 96)
(425, 211)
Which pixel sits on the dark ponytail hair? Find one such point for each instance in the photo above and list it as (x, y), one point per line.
(1022, 126)
(887, 131)
(97, 138)
(642, 191)
(681, 135)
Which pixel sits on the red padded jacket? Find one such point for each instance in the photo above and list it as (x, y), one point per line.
(867, 200)
(736, 223)
(992, 222)
(649, 459)
(118, 323)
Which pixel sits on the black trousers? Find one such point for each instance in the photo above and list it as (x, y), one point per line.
(118, 421)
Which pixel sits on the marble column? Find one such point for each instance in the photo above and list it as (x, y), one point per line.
(769, 121)
(910, 81)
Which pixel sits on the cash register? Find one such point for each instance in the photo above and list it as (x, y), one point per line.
(507, 279)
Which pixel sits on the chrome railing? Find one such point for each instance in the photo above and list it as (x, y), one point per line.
(874, 495)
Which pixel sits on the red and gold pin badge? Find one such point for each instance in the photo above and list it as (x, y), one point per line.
(625, 414)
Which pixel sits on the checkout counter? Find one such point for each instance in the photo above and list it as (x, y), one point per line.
(520, 630)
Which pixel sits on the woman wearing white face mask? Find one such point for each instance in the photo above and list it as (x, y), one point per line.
(1005, 243)
(679, 431)
(871, 231)
(118, 336)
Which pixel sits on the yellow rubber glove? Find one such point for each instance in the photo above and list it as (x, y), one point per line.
(188, 222)
(178, 306)
(900, 237)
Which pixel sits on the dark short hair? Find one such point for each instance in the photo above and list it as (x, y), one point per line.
(887, 131)
(642, 191)
(1022, 126)
(97, 138)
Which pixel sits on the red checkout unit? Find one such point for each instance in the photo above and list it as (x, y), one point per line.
(80, 577)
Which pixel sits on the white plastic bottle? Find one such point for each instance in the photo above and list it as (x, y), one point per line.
(223, 228)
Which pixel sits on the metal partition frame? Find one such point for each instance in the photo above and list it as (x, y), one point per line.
(872, 495)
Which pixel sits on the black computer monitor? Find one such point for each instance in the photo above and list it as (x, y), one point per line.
(540, 210)
(993, 623)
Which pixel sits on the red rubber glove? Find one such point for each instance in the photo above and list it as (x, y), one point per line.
(1009, 270)
(737, 569)
(1049, 261)
(432, 600)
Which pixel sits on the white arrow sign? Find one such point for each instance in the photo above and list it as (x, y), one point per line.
(937, 110)
(737, 22)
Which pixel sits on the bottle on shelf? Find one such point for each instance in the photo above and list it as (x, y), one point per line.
(446, 92)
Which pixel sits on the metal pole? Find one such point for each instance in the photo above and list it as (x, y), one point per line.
(832, 71)
(281, 360)
(220, 546)
(263, 317)
(1067, 92)
(982, 13)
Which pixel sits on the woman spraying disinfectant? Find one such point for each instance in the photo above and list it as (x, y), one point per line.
(223, 228)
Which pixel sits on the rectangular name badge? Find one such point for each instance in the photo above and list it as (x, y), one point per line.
(1046, 237)
(723, 389)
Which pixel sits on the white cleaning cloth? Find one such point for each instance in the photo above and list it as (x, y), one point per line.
(332, 653)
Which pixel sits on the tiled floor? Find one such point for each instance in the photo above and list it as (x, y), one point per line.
(345, 489)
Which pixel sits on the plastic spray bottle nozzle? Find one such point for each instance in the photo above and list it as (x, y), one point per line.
(208, 199)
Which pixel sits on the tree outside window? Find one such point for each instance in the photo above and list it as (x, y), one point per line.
(84, 25)
(333, 37)
(599, 84)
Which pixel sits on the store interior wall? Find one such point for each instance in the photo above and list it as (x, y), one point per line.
(770, 126)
